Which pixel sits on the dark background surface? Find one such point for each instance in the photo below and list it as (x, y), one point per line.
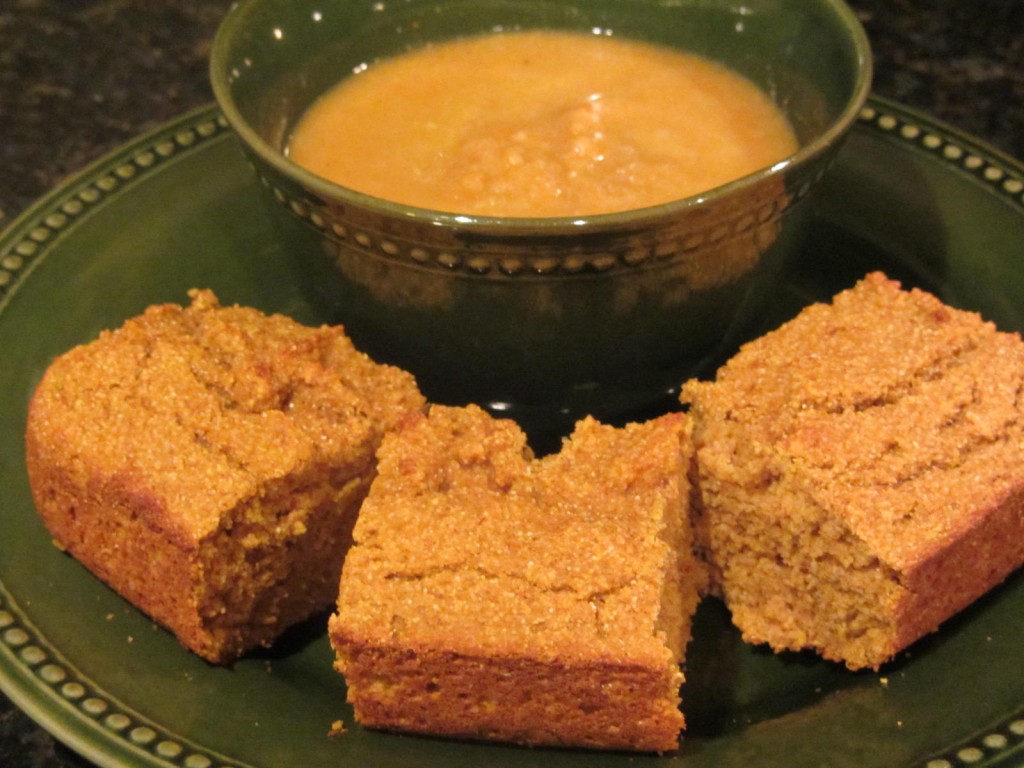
(78, 78)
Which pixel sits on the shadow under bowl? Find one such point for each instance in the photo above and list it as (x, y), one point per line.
(543, 320)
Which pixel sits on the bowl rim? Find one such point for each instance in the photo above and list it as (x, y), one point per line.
(512, 225)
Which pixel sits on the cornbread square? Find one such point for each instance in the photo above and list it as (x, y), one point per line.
(491, 595)
(862, 472)
(207, 463)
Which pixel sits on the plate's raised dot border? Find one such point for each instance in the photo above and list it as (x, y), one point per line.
(111, 179)
(993, 745)
(947, 148)
(20, 641)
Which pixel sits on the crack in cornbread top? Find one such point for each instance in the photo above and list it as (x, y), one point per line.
(203, 406)
(902, 414)
(468, 543)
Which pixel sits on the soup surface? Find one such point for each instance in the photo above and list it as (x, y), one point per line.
(540, 124)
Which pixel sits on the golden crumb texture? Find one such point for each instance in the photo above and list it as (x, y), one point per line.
(861, 472)
(494, 595)
(207, 462)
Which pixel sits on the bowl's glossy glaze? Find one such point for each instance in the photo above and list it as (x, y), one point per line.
(542, 319)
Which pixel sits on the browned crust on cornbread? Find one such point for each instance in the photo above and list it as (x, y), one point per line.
(862, 471)
(207, 462)
(494, 596)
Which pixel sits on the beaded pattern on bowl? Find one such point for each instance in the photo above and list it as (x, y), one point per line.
(318, 217)
(510, 266)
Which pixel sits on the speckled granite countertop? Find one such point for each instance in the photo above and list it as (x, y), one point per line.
(80, 77)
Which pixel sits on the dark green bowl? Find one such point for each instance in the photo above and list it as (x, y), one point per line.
(542, 319)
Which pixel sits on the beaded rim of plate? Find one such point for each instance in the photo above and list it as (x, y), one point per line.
(86, 699)
(29, 237)
(26, 242)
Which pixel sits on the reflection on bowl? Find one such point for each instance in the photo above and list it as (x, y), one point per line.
(544, 319)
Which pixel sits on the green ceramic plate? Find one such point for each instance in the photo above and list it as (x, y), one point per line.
(178, 209)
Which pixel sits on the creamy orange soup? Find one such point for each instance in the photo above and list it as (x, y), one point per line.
(540, 124)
